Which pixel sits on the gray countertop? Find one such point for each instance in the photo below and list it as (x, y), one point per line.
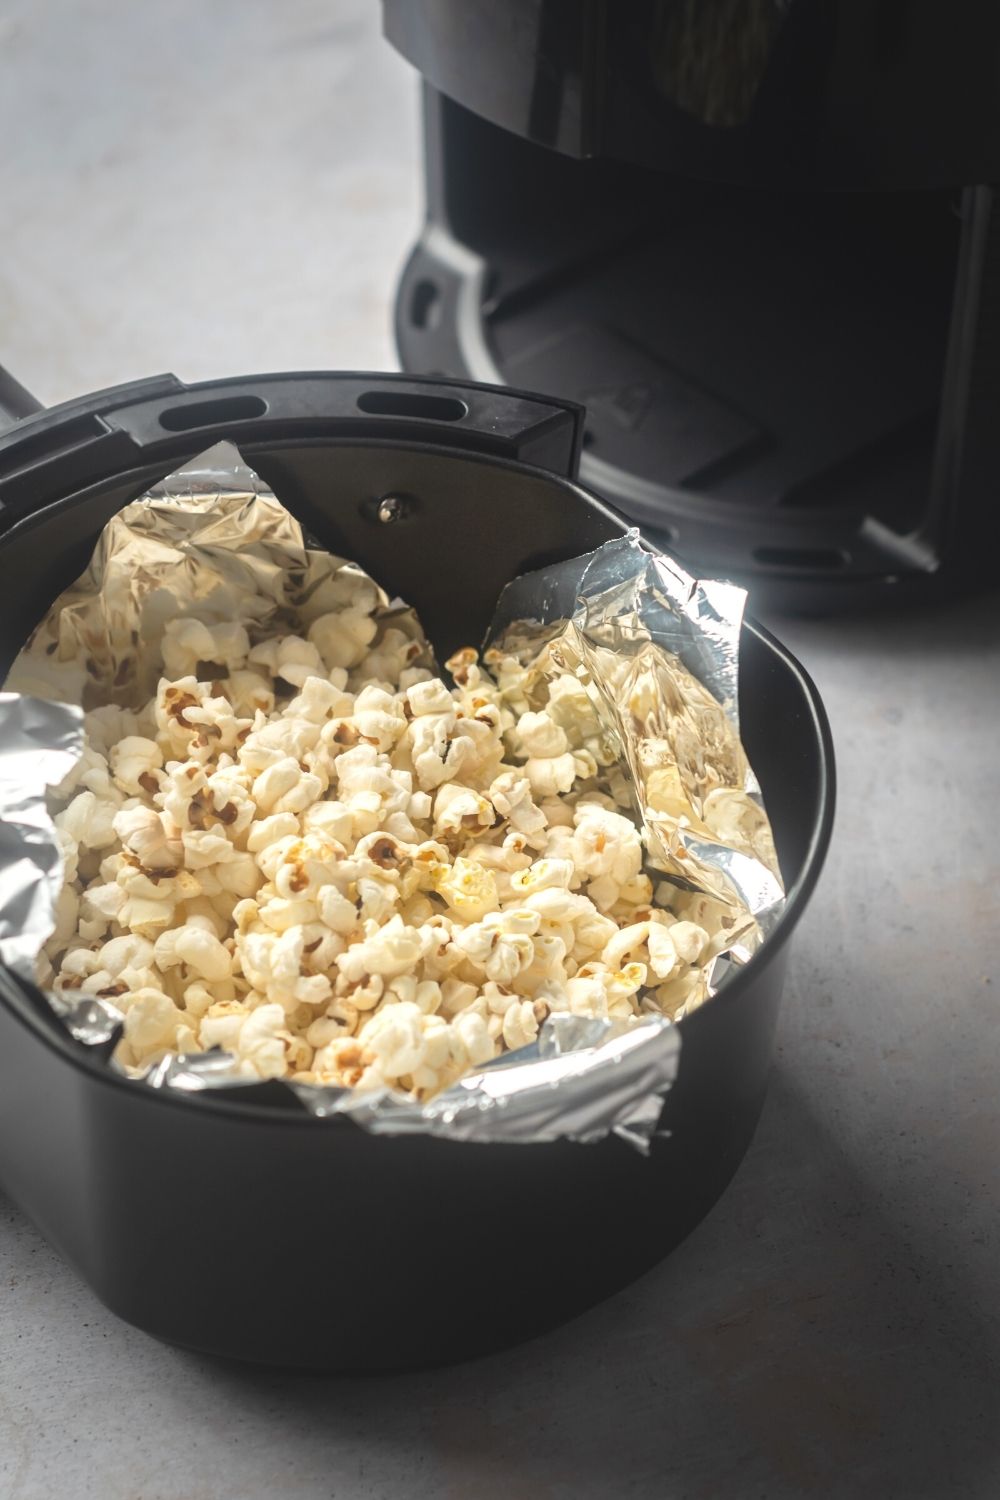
(833, 1328)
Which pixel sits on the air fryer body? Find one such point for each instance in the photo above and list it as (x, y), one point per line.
(757, 240)
(201, 1217)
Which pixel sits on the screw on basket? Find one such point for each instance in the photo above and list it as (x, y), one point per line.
(390, 510)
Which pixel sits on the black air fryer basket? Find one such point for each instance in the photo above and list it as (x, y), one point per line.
(200, 1217)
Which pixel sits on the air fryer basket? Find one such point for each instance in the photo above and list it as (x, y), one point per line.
(233, 1222)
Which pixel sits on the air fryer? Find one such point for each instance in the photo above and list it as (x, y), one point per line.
(757, 240)
(178, 1208)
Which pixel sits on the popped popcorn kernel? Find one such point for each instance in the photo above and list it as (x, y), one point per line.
(337, 869)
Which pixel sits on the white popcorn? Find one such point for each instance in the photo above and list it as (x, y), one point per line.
(540, 737)
(289, 657)
(285, 787)
(550, 775)
(305, 865)
(258, 1039)
(67, 916)
(457, 807)
(134, 764)
(469, 890)
(377, 900)
(378, 882)
(321, 700)
(271, 830)
(688, 940)
(457, 996)
(188, 642)
(570, 706)
(681, 994)
(197, 949)
(378, 717)
(388, 951)
(391, 656)
(249, 693)
(428, 740)
(607, 850)
(343, 636)
(396, 1037)
(473, 1039)
(173, 700)
(336, 911)
(520, 1024)
(648, 942)
(511, 795)
(154, 1026)
(497, 947)
(289, 736)
(274, 965)
(98, 907)
(543, 875)
(89, 820)
(331, 818)
(430, 697)
(106, 727)
(151, 837)
(280, 914)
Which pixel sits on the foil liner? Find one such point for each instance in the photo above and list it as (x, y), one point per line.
(658, 653)
(581, 1080)
(40, 743)
(209, 542)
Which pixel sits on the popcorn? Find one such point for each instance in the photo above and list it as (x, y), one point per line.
(343, 636)
(375, 882)
(89, 820)
(520, 1023)
(249, 693)
(273, 964)
(154, 1026)
(430, 697)
(285, 787)
(688, 940)
(187, 643)
(469, 890)
(197, 949)
(510, 794)
(288, 657)
(105, 727)
(258, 1040)
(389, 950)
(135, 762)
(458, 807)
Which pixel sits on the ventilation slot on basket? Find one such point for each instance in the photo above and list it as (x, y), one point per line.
(412, 404)
(64, 438)
(212, 413)
(825, 559)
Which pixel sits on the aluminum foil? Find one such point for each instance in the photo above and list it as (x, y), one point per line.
(40, 743)
(210, 542)
(657, 651)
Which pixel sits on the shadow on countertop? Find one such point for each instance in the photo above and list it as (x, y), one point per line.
(800, 1343)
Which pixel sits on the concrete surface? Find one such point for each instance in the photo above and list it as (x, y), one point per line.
(217, 187)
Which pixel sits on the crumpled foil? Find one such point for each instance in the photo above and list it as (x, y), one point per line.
(210, 542)
(40, 743)
(657, 651)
